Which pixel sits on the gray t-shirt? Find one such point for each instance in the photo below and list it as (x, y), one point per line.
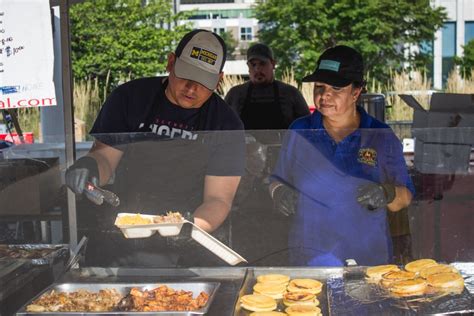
(292, 103)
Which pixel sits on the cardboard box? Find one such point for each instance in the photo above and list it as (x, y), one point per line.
(444, 134)
(28, 186)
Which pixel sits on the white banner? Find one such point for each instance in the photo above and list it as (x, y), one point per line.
(26, 54)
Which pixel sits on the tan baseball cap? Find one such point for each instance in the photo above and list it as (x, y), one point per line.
(200, 57)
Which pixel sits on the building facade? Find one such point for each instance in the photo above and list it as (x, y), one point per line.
(458, 30)
(233, 16)
(237, 17)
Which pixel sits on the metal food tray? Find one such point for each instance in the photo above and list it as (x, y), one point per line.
(124, 289)
(8, 266)
(353, 295)
(57, 251)
(320, 274)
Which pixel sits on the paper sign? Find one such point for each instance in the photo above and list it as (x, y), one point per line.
(26, 54)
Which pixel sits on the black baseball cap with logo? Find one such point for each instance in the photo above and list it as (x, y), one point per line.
(338, 66)
(200, 57)
(259, 51)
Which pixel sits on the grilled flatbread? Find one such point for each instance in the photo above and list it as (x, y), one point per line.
(300, 298)
(273, 278)
(408, 287)
(258, 303)
(272, 313)
(439, 268)
(374, 274)
(418, 265)
(305, 285)
(393, 276)
(446, 280)
(274, 290)
(303, 310)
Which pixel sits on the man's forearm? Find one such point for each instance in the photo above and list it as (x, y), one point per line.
(211, 214)
(107, 159)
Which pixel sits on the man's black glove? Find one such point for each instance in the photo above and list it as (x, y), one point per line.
(375, 195)
(284, 199)
(84, 170)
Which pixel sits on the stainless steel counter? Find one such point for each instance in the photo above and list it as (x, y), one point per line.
(345, 290)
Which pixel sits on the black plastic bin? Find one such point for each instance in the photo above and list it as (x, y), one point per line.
(374, 104)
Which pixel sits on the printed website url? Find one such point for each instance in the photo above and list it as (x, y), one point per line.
(26, 103)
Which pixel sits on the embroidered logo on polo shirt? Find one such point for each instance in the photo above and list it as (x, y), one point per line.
(203, 55)
(368, 156)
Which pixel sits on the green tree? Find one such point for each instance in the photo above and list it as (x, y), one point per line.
(467, 61)
(123, 37)
(230, 43)
(300, 30)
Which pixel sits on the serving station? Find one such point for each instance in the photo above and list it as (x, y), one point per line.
(345, 290)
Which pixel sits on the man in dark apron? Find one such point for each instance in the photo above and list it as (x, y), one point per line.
(264, 102)
(173, 145)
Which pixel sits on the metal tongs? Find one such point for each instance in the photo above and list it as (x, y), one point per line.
(100, 195)
(75, 256)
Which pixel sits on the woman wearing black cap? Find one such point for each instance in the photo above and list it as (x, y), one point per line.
(341, 169)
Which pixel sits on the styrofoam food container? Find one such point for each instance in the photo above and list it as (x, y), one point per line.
(137, 232)
(215, 246)
(147, 230)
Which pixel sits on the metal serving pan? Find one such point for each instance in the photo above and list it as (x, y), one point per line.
(352, 295)
(8, 267)
(51, 252)
(320, 274)
(124, 289)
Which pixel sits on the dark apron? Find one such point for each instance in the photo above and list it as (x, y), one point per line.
(156, 175)
(263, 115)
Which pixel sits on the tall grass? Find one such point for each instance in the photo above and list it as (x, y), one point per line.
(29, 120)
(88, 98)
(457, 84)
(414, 83)
(229, 81)
(306, 88)
(90, 94)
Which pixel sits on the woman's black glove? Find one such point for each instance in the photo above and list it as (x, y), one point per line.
(84, 170)
(284, 199)
(374, 196)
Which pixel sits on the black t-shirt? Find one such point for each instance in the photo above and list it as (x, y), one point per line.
(131, 104)
(168, 149)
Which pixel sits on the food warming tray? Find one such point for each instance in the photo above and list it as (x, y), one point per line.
(320, 274)
(36, 254)
(124, 289)
(353, 295)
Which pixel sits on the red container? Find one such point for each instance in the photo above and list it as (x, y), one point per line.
(28, 138)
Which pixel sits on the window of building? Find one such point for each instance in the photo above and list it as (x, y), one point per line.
(468, 32)
(218, 30)
(205, 1)
(246, 34)
(223, 14)
(448, 49)
(426, 50)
